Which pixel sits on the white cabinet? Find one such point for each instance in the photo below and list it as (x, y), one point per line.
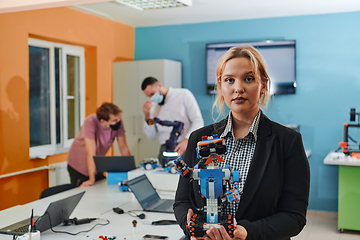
(127, 94)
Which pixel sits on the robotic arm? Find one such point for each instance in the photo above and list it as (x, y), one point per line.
(352, 149)
(171, 143)
(232, 195)
(183, 168)
(178, 126)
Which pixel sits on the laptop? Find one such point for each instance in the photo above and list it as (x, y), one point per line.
(147, 196)
(114, 163)
(55, 214)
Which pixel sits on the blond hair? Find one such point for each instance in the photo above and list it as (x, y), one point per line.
(259, 68)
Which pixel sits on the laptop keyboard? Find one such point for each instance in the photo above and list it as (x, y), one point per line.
(164, 206)
(23, 229)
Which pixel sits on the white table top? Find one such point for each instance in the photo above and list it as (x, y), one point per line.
(97, 202)
(339, 158)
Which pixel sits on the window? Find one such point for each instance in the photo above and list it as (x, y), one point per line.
(56, 96)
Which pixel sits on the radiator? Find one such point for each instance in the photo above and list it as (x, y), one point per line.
(58, 174)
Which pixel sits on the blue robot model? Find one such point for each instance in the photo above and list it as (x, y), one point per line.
(170, 167)
(150, 163)
(212, 182)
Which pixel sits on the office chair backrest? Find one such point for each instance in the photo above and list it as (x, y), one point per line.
(57, 189)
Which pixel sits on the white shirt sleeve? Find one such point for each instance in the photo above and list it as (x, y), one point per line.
(150, 131)
(193, 112)
(180, 105)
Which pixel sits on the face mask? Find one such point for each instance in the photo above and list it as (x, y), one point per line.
(116, 126)
(157, 98)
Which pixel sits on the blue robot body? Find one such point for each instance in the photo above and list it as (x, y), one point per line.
(212, 181)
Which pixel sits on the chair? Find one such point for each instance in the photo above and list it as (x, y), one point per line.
(57, 189)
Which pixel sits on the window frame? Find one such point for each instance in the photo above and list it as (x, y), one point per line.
(79, 52)
(54, 148)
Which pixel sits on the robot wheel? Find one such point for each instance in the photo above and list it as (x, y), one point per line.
(228, 225)
(196, 226)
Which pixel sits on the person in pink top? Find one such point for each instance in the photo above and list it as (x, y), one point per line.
(96, 136)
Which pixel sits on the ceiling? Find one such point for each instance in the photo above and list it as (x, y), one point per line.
(217, 10)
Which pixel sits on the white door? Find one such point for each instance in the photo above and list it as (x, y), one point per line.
(125, 96)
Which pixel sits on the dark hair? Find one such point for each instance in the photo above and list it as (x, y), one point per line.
(148, 81)
(106, 109)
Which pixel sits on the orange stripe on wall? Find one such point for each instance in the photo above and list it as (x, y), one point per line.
(104, 41)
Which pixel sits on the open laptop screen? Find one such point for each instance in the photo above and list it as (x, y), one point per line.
(114, 163)
(143, 190)
(55, 214)
(58, 211)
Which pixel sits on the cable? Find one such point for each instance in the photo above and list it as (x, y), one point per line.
(352, 139)
(133, 214)
(73, 234)
(338, 149)
(38, 219)
(112, 209)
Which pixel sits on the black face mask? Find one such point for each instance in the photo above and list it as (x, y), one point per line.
(116, 126)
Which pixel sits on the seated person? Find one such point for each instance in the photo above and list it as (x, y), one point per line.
(96, 136)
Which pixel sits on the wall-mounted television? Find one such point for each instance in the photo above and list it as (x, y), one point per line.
(280, 58)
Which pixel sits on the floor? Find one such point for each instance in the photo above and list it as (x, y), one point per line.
(323, 226)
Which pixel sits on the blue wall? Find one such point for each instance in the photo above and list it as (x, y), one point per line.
(328, 78)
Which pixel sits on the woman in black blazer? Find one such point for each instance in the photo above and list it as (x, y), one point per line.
(271, 157)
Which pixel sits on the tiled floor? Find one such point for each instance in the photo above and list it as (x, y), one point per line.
(323, 226)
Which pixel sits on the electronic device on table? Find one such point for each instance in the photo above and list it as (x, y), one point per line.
(56, 213)
(352, 149)
(170, 167)
(114, 163)
(154, 237)
(147, 196)
(150, 163)
(170, 144)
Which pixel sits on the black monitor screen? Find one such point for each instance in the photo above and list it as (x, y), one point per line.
(143, 190)
(279, 57)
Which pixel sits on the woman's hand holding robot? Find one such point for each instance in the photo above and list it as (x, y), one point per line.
(213, 233)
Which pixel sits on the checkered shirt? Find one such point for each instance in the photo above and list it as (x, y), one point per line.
(240, 153)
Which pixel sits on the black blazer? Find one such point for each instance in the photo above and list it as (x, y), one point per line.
(275, 195)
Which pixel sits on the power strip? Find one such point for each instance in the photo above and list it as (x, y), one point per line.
(34, 236)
